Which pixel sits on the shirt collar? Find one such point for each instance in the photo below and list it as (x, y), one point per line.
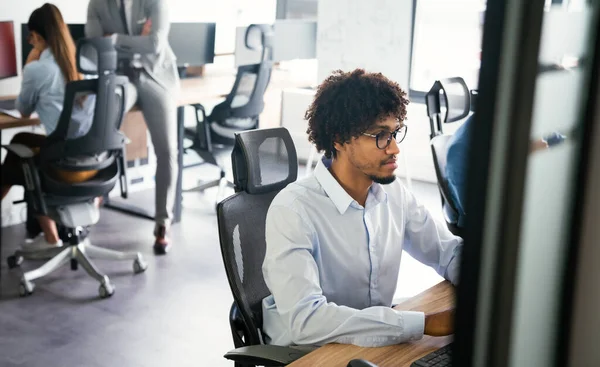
(46, 54)
(340, 198)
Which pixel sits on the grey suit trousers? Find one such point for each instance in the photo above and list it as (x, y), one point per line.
(159, 107)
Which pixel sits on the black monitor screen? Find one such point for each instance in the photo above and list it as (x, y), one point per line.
(77, 32)
(8, 51)
(193, 43)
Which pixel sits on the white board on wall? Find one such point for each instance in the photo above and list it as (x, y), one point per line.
(374, 35)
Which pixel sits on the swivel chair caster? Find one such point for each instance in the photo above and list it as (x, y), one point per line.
(25, 287)
(14, 261)
(139, 265)
(106, 289)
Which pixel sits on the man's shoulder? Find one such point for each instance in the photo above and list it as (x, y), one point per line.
(297, 193)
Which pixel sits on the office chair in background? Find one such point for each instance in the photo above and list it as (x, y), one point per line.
(264, 162)
(213, 136)
(102, 149)
(447, 101)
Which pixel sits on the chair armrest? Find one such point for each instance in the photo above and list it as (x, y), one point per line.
(23, 151)
(265, 355)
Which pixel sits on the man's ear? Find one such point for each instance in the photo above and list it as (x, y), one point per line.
(340, 147)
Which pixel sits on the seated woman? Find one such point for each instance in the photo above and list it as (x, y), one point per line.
(49, 67)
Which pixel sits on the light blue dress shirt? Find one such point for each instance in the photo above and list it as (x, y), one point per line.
(43, 91)
(332, 265)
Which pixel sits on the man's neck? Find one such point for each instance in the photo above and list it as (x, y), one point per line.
(355, 183)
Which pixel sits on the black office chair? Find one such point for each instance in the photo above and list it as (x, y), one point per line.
(447, 101)
(213, 136)
(264, 162)
(102, 149)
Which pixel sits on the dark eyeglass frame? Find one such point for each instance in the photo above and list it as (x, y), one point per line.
(386, 137)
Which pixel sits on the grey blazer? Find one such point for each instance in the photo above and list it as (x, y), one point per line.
(157, 57)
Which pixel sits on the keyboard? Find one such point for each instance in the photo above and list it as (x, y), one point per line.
(438, 358)
(7, 104)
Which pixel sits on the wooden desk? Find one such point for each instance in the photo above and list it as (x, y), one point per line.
(434, 299)
(192, 91)
(9, 122)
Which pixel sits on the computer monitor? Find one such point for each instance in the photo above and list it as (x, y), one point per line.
(193, 43)
(294, 39)
(8, 51)
(77, 32)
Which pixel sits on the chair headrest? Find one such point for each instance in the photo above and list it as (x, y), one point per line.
(259, 36)
(452, 93)
(99, 49)
(264, 160)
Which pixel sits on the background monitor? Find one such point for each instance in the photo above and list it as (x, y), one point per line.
(8, 51)
(77, 32)
(193, 43)
(293, 39)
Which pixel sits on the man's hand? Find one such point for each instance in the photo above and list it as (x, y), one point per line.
(440, 323)
(147, 28)
(34, 55)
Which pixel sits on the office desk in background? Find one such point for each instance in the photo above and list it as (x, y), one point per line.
(193, 90)
(437, 298)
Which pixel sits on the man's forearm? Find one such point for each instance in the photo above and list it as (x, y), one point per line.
(439, 323)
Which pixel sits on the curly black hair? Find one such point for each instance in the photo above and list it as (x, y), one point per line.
(348, 103)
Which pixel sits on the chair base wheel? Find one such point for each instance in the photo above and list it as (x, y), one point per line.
(74, 264)
(106, 290)
(25, 288)
(14, 261)
(139, 265)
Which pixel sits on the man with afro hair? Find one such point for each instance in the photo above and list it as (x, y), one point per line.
(335, 239)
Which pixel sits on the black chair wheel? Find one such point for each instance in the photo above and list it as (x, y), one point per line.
(74, 264)
(14, 261)
(25, 288)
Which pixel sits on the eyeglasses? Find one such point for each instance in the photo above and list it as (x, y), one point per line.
(384, 138)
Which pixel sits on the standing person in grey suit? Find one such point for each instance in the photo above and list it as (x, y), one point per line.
(140, 31)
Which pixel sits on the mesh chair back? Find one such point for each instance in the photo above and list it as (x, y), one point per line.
(264, 162)
(101, 100)
(246, 99)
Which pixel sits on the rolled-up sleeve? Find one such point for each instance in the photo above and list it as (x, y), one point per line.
(429, 240)
(33, 77)
(301, 314)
